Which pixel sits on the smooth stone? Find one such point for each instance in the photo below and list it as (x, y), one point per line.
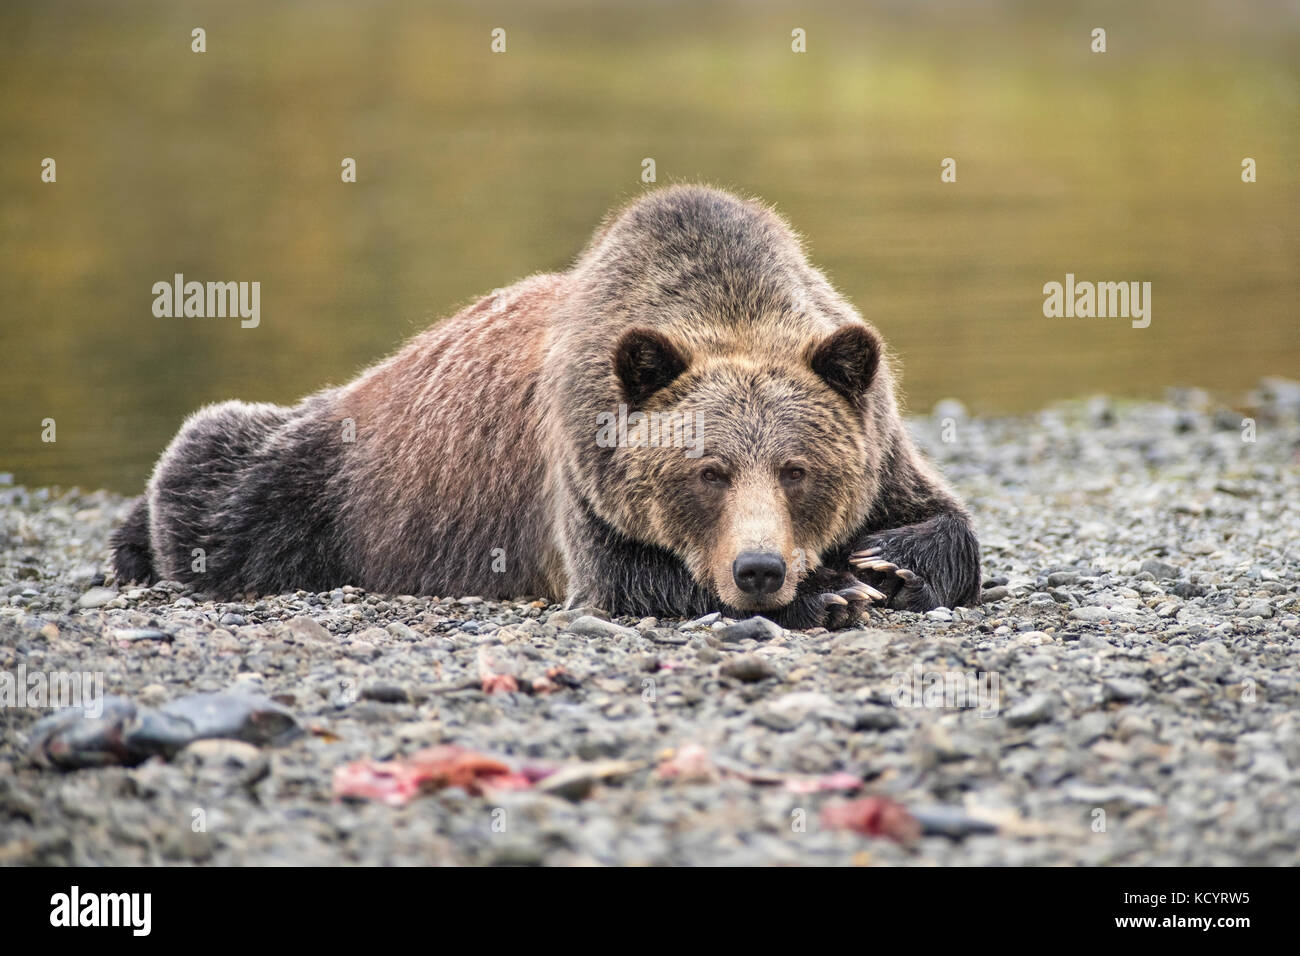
(747, 668)
(754, 629)
(595, 627)
(96, 597)
(1124, 689)
(1035, 709)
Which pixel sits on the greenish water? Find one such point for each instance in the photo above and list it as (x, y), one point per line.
(476, 169)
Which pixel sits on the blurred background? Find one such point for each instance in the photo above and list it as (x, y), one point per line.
(475, 169)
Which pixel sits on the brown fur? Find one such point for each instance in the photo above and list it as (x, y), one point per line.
(476, 466)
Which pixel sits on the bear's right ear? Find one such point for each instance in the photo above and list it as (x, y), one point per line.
(847, 360)
(645, 361)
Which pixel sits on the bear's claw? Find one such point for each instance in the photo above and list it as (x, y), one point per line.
(844, 606)
(905, 593)
(871, 561)
(830, 599)
(862, 592)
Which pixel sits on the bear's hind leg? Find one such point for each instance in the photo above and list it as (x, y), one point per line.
(132, 553)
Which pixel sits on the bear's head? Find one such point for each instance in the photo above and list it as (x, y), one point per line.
(745, 463)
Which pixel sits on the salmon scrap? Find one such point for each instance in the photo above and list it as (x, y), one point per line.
(396, 782)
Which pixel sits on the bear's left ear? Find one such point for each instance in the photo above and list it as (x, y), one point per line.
(645, 361)
(847, 360)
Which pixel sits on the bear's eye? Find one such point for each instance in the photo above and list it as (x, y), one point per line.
(792, 474)
(711, 476)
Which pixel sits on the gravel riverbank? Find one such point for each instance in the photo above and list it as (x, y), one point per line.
(1129, 692)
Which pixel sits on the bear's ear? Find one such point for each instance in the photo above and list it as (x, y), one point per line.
(645, 361)
(847, 360)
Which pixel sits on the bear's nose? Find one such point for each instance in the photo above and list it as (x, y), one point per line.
(759, 572)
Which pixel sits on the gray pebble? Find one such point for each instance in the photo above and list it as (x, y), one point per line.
(748, 668)
(96, 597)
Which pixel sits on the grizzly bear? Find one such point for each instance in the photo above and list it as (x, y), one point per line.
(509, 450)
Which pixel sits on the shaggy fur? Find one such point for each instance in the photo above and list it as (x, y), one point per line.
(476, 469)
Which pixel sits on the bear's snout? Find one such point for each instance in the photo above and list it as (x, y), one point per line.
(759, 572)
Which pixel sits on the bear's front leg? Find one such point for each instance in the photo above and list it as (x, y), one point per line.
(918, 567)
(637, 582)
(828, 598)
(609, 570)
